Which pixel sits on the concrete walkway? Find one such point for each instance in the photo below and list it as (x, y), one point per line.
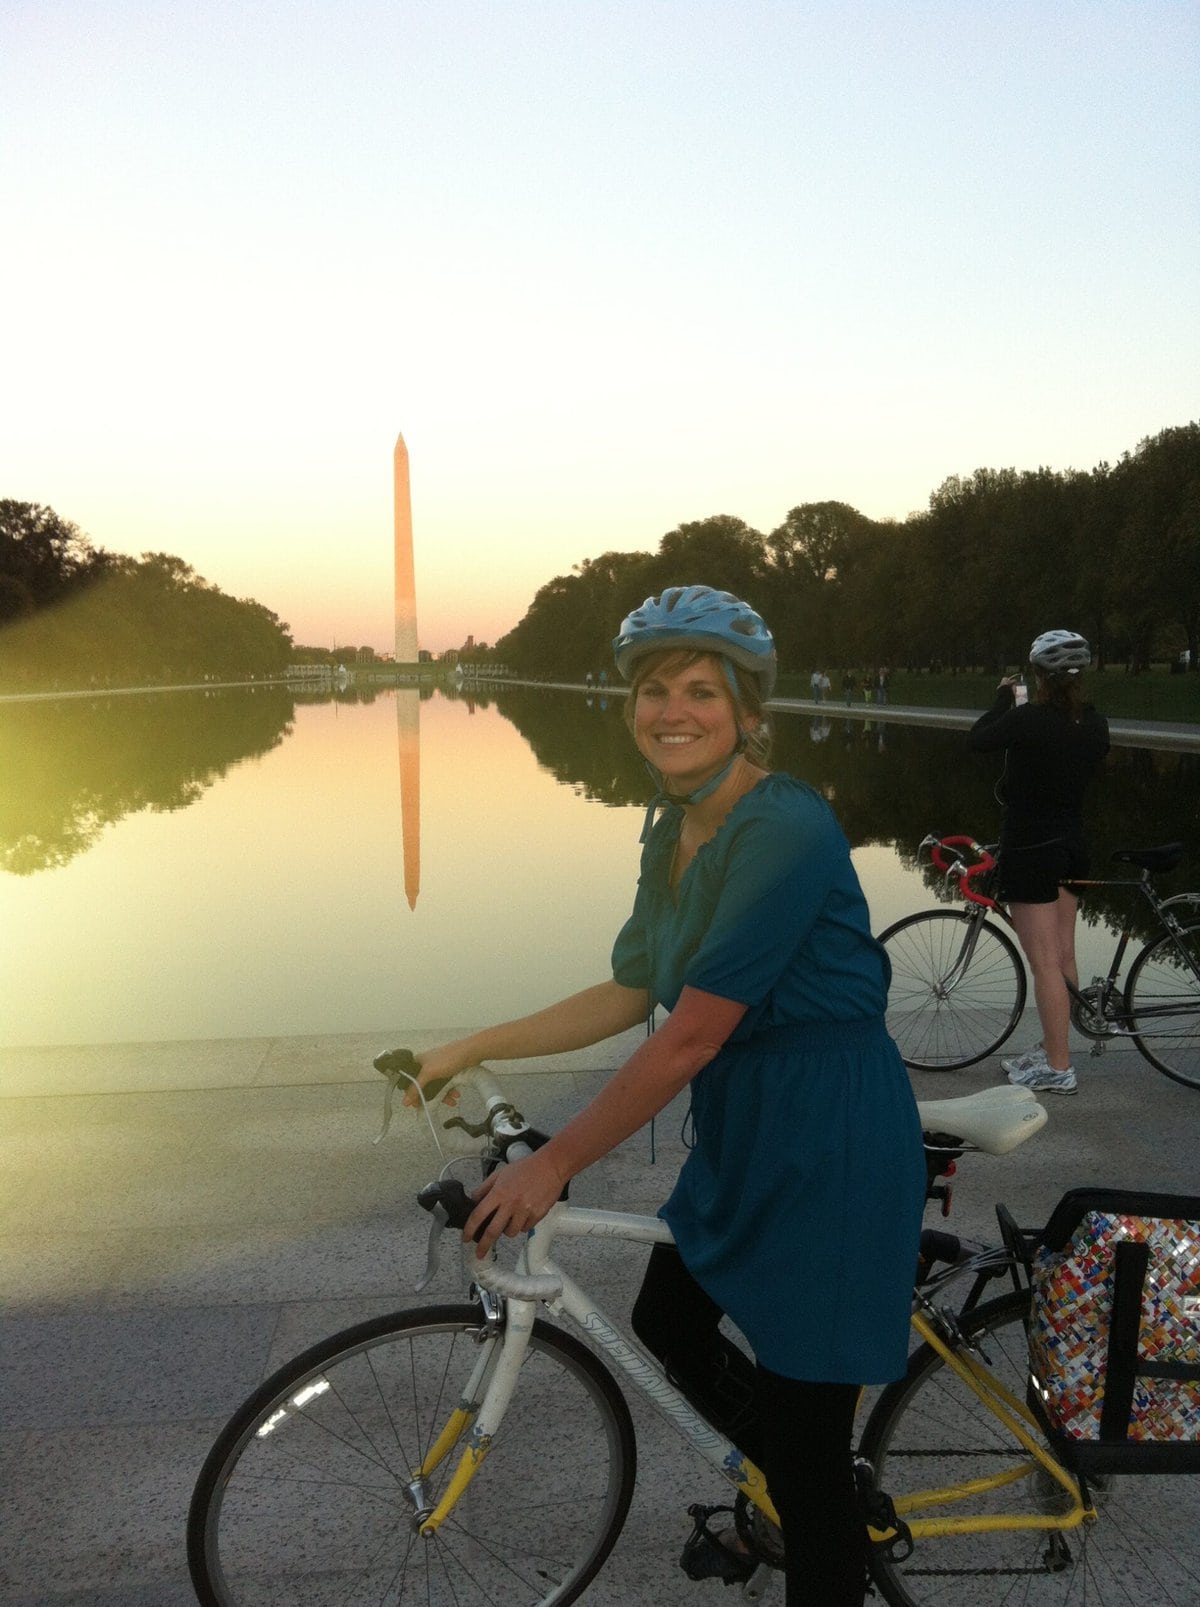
(176, 1219)
(1124, 733)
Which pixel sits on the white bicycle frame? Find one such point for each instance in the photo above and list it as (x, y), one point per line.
(538, 1280)
(494, 1383)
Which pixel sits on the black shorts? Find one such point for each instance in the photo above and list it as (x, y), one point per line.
(1033, 874)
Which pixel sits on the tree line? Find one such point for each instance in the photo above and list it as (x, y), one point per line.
(75, 615)
(996, 557)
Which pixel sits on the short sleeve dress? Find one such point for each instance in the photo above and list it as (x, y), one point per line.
(799, 1207)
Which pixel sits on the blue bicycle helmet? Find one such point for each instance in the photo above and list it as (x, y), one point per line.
(703, 619)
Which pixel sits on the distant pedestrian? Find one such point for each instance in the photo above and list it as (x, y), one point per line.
(881, 685)
(849, 686)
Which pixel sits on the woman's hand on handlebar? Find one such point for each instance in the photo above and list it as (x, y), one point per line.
(437, 1067)
(513, 1199)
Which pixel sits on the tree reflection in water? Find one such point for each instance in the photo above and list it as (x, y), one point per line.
(891, 785)
(71, 767)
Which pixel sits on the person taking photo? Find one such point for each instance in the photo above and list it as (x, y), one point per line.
(1053, 746)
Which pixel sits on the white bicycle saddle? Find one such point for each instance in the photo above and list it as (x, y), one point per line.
(994, 1120)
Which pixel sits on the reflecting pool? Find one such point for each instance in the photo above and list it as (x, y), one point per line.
(239, 863)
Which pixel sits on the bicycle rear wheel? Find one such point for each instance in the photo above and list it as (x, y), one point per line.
(306, 1498)
(930, 1429)
(1162, 1000)
(951, 1005)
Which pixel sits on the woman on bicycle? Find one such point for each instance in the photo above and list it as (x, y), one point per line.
(798, 1211)
(1052, 746)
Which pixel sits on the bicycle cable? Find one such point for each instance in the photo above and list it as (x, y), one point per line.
(394, 1078)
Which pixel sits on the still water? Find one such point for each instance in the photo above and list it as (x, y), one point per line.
(243, 863)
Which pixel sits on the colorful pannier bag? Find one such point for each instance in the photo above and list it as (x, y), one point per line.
(1114, 1333)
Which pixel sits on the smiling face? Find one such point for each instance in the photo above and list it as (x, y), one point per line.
(684, 718)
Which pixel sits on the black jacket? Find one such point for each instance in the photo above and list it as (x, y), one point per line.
(1049, 760)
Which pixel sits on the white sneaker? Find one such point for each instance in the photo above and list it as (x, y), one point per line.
(1029, 1060)
(1043, 1079)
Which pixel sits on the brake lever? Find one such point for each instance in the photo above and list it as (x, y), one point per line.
(449, 1204)
(433, 1252)
(506, 1113)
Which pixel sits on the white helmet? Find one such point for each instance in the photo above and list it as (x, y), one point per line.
(1060, 652)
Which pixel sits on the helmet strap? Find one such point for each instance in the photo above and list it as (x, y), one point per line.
(731, 676)
(705, 790)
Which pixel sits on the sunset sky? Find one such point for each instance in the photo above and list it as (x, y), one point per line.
(609, 265)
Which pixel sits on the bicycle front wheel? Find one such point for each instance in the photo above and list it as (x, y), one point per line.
(930, 1429)
(958, 989)
(308, 1499)
(1162, 1000)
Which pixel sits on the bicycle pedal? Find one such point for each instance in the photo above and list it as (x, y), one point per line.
(705, 1557)
(884, 1525)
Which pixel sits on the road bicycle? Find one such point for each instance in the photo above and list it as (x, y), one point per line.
(471, 1454)
(958, 980)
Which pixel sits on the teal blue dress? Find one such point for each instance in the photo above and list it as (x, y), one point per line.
(799, 1207)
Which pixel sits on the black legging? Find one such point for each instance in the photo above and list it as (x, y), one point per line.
(799, 1433)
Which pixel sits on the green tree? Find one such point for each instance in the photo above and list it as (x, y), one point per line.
(137, 621)
(1160, 542)
(546, 641)
(996, 557)
(810, 555)
(43, 558)
(721, 551)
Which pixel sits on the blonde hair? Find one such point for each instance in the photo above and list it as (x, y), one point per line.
(747, 706)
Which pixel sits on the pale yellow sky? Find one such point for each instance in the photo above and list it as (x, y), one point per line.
(608, 266)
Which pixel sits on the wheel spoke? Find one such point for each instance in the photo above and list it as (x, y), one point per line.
(1162, 999)
(931, 1430)
(308, 1499)
(957, 989)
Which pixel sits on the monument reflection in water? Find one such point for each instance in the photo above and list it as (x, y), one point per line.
(153, 890)
(408, 705)
(408, 742)
(233, 864)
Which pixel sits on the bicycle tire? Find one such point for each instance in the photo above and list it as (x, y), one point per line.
(301, 1502)
(1163, 974)
(1143, 1547)
(941, 1029)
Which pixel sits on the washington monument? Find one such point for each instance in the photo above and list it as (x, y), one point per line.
(406, 586)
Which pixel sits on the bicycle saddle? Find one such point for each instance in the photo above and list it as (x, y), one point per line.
(1165, 857)
(994, 1120)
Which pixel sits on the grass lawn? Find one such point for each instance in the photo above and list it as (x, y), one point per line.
(1154, 695)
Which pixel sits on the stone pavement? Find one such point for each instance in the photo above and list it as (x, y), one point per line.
(178, 1218)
